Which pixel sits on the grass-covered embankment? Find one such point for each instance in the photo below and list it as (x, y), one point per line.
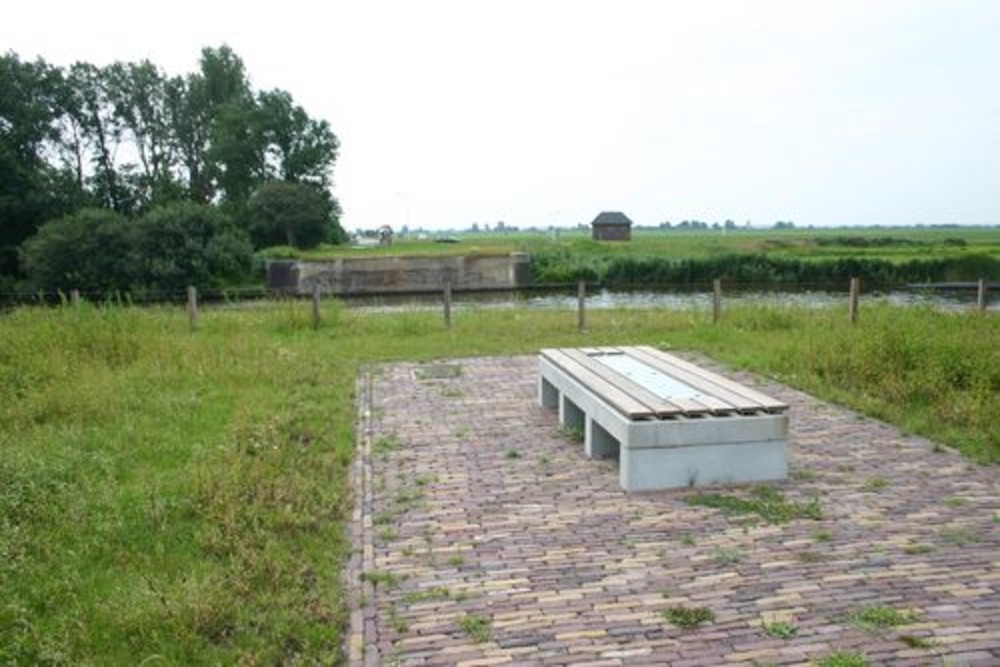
(879, 257)
(179, 498)
(786, 257)
(638, 270)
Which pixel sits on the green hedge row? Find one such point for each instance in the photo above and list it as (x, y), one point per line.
(563, 266)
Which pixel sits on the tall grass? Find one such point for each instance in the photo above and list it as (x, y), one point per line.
(563, 265)
(928, 371)
(168, 494)
(179, 497)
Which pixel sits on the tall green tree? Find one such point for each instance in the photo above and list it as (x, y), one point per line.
(229, 111)
(190, 127)
(90, 102)
(32, 190)
(299, 148)
(295, 214)
(138, 95)
(129, 138)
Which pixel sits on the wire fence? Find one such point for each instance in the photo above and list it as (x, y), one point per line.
(579, 296)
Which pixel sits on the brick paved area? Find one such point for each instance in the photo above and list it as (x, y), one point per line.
(487, 537)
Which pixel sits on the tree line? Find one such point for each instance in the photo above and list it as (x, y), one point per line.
(123, 176)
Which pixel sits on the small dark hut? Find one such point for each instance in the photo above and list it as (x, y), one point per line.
(612, 226)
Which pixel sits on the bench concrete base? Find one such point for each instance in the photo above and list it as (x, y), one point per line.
(669, 453)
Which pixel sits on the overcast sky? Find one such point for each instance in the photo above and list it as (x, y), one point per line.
(547, 112)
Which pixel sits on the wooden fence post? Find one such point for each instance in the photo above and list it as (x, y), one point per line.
(581, 298)
(192, 306)
(315, 302)
(981, 296)
(447, 303)
(74, 298)
(716, 300)
(855, 293)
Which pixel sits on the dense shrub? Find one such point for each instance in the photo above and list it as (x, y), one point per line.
(866, 241)
(763, 269)
(562, 266)
(99, 251)
(87, 250)
(188, 244)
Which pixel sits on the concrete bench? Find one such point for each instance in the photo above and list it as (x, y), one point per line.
(669, 422)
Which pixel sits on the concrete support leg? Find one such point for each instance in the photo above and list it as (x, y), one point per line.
(548, 395)
(570, 415)
(598, 443)
(625, 468)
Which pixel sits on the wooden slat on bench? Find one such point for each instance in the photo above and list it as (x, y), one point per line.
(725, 401)
(712, 402)
(618, 399)
(751, 396)
(661, 406)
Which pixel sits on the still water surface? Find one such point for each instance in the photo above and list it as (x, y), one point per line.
(670, 299)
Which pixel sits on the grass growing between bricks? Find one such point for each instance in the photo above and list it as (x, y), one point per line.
(478, 628)
(183, 495)
(781, 630)
(878, 617)
(727, 556)
(687, 618)
(764, 501)
(917, 549)
(381, 578)
(958, 536)
(435, 593)
(385, 445)
(922, 643)
(572, 433)
(843, 659)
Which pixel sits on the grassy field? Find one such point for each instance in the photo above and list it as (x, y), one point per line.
(897, 244)
(176, 498)
(881, 257)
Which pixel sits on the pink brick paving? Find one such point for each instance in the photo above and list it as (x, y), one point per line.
(569, 570)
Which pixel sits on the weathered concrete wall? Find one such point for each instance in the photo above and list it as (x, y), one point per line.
(365, 275)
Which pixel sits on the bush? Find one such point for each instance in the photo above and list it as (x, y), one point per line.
(97, 250)
(87, 251)
(187, 244)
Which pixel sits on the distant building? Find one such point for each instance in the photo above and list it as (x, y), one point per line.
(385, 235)
(611, 226)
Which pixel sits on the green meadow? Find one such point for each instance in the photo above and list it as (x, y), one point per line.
(170, 497)
(882, 257)
(894, 243)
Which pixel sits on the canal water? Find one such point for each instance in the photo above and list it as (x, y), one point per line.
(679, 299)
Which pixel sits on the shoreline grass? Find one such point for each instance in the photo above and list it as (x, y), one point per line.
(183, 495)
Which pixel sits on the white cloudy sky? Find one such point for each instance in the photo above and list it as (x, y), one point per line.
(545, 112)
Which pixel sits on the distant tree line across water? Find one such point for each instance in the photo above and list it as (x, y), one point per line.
(126, 177)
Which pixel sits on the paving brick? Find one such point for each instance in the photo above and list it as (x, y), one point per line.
(559, 566)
